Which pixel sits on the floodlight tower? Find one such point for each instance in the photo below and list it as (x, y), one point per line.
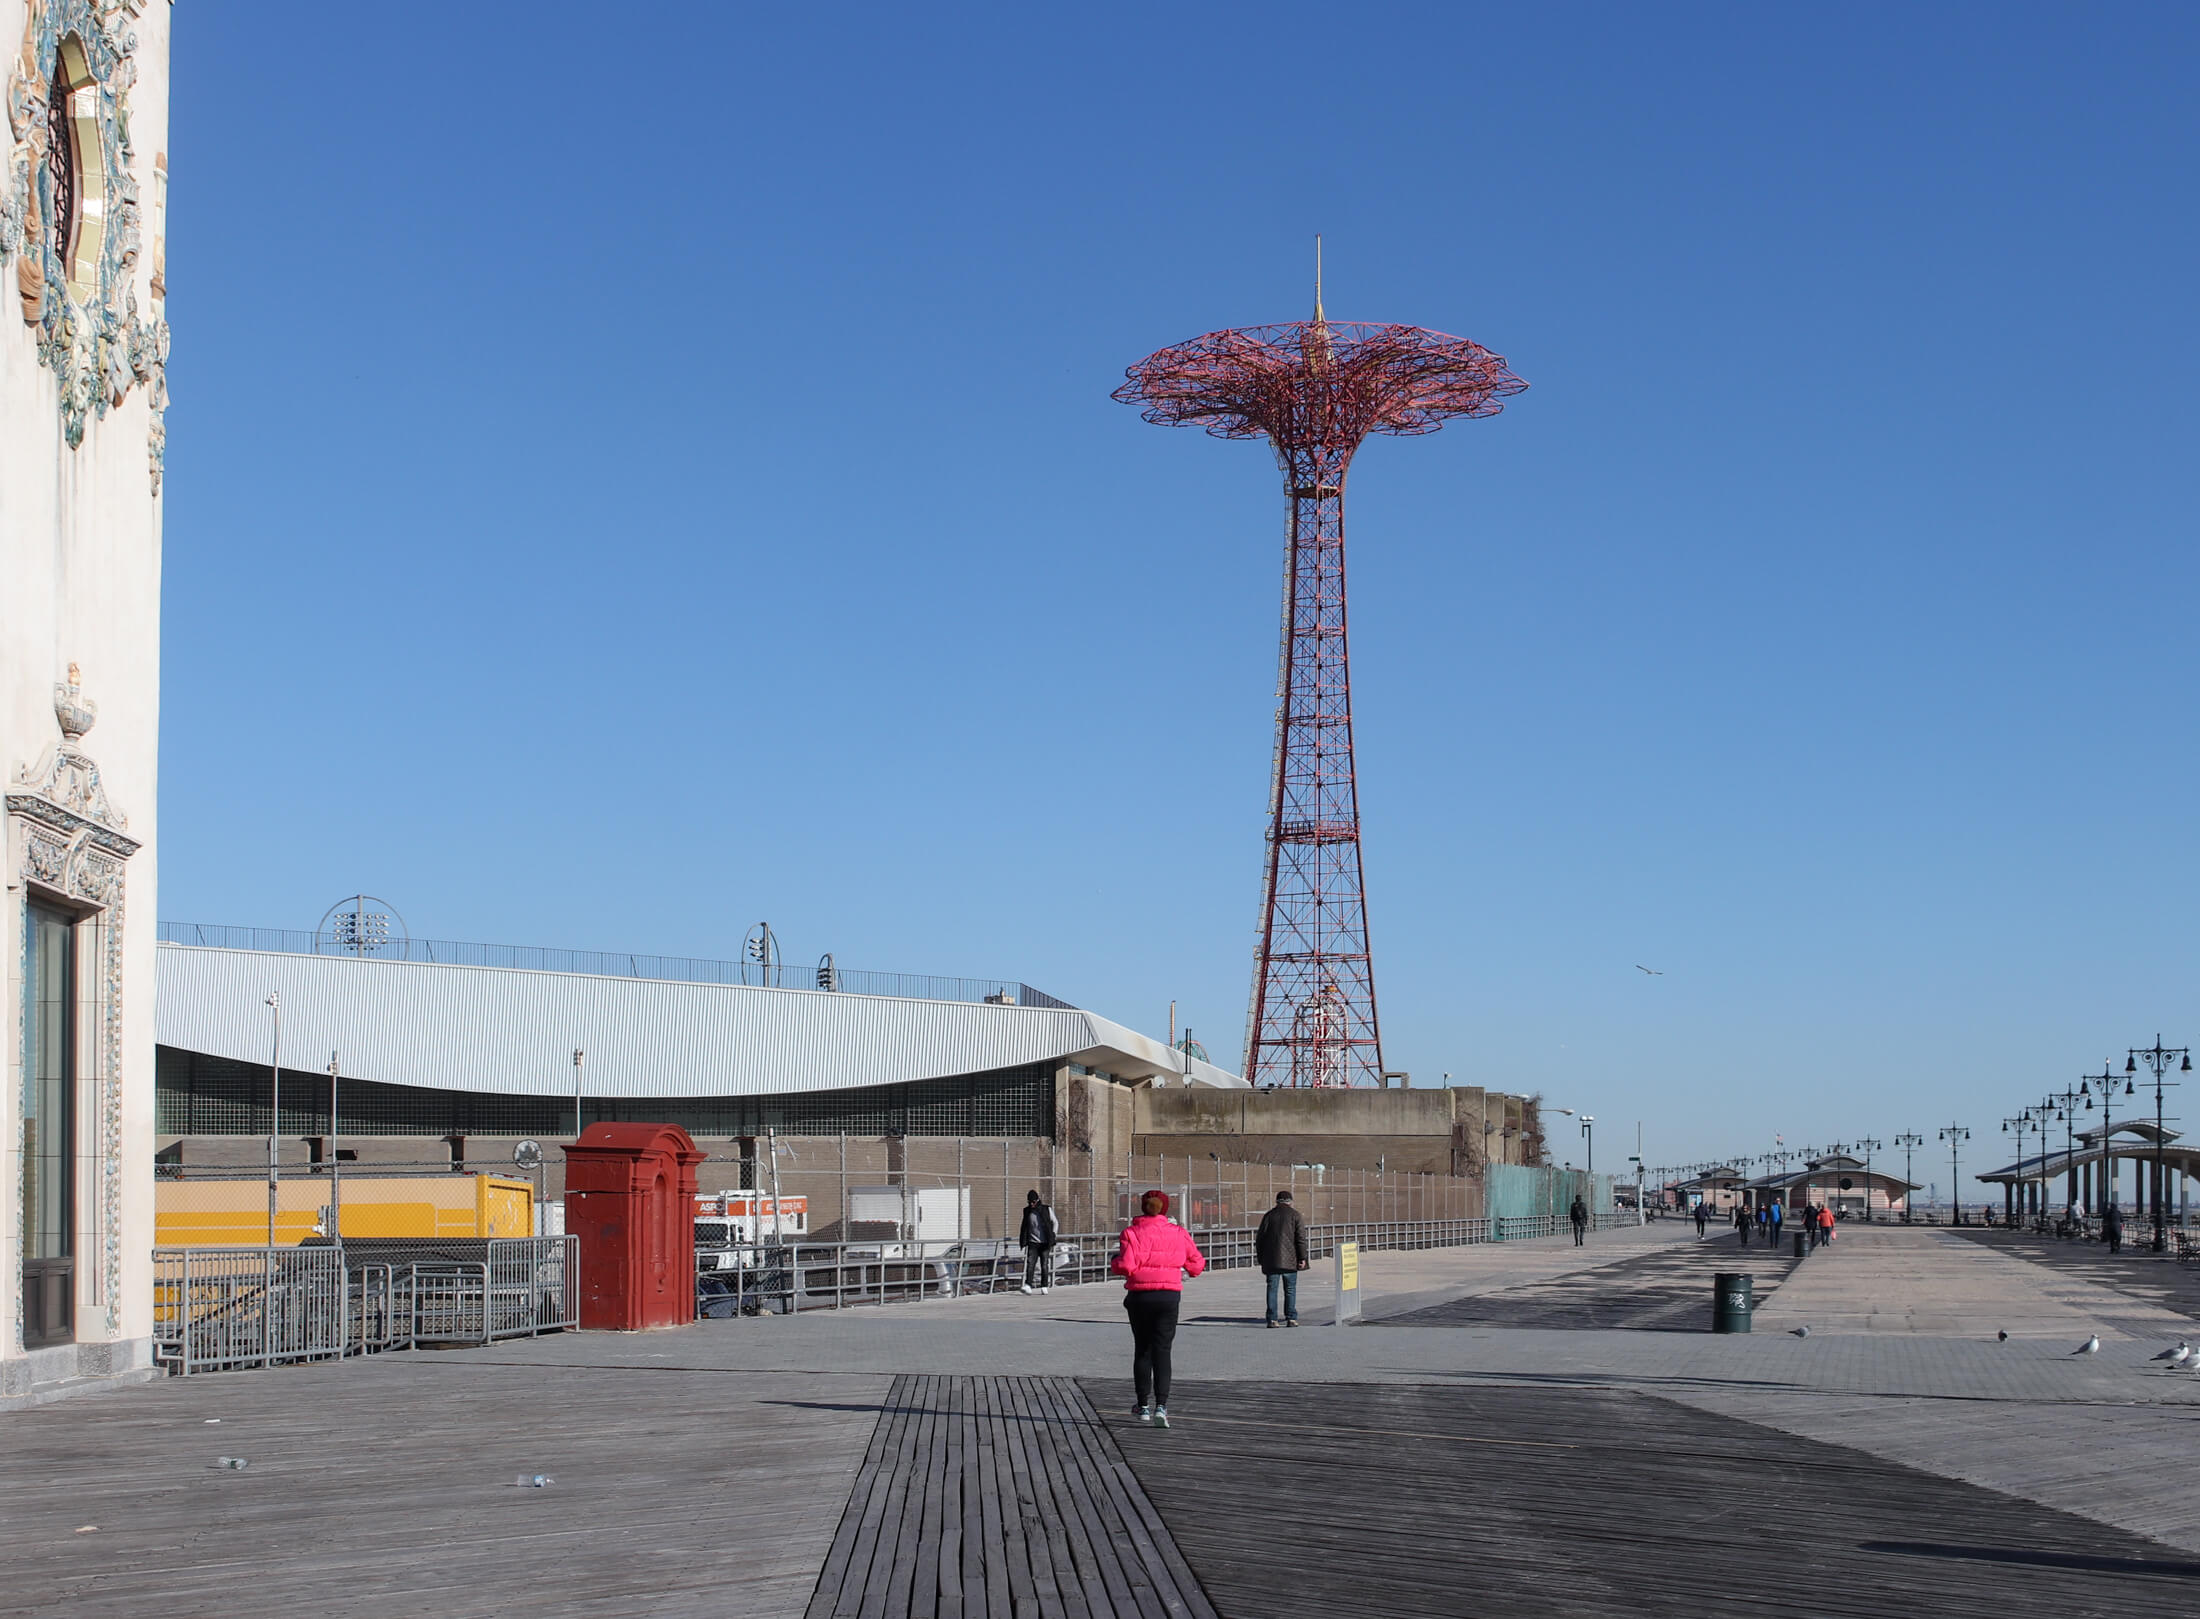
(1315, 390)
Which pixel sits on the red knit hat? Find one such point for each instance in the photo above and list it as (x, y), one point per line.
(1154, 1202)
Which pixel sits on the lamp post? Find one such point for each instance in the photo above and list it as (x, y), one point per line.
(274, 1111)
(2057, 1108)
(2105, 1193)
(1955, 1135)
(2022, 1122)
(2157, 1058)
(1909, 1141)
(579, 1057)
(1867, 1146)
(335, 1172)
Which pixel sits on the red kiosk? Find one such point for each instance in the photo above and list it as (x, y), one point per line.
(630, 1199)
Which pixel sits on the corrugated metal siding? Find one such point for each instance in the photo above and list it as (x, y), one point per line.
(502, 1030)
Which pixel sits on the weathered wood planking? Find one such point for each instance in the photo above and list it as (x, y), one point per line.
(385, 1487)
(1662, 1290)
(999, 1498)
(1307, 1502)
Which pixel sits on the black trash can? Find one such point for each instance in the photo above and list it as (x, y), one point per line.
(1800, 1239)
(1733, 1297)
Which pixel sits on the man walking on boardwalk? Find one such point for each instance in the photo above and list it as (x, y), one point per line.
(1703, 1218)
(1280, 1247)
(1038, 1236)
(1773, 1217)
(1579, 1214)
(2112, 1227)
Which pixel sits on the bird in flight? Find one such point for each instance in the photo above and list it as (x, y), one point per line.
(1654, 972)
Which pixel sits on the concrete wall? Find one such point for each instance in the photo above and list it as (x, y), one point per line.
(80, 560)
(1448, 1131)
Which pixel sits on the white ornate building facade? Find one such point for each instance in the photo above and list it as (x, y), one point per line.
(83, 349)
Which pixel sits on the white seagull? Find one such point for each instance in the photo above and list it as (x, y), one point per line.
(2177, 1356)
(2092, 1346)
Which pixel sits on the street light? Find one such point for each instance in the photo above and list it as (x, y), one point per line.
(1867, 1146)
(1955, 1135)
(2105, 1193)
(274, 1111)
(2021, 1123)
(1909, 1141)
(2157, 1059)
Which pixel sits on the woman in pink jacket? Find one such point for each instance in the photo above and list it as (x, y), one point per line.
(1153, 1257)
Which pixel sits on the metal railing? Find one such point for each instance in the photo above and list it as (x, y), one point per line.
(616, 964)
(222, 1309)
(786, 1278)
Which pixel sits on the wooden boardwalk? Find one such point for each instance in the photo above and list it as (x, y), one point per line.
(1393, 1502)
(1659, 1290)
(1000, 1498)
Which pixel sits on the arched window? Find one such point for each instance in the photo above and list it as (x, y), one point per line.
(61, 164)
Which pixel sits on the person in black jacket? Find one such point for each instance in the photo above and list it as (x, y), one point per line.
(1280, 1247)
(1038, 1235)
(1579, 1214)
(2112, 1227)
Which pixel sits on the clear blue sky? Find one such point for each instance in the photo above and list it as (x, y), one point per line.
(627, 485)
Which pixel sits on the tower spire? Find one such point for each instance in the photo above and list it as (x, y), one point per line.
(1319, 317)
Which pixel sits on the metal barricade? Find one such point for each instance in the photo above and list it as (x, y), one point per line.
(219, 1309)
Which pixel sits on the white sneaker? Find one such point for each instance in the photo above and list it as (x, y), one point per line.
(1046, 1289)
(1026, 1288)
(1140, 1414)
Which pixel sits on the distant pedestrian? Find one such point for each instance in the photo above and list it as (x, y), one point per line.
(1579, 1214)
(1703, 1218)
(2112, 1227)
(1039, 1234)
(1825, 1223)
(1741, 1223)
(1153, 1256)
(1280, 1247)
(1773, 1217)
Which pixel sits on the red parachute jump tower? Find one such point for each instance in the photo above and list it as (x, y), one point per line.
(1315, 389)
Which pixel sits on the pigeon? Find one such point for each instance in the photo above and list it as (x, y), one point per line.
(2177, 1356)
(2003, 1335)
(1800, 1332)
(2092, 1346)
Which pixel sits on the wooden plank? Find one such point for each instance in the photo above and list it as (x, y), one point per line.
(1605, 1503)
(1164, 1579)
(1084, 1556)
(826, 1599)
(1001, 1589)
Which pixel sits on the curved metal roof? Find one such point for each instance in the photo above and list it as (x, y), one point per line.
(513, 1032)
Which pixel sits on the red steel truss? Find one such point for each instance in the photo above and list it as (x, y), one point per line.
(1315, 390)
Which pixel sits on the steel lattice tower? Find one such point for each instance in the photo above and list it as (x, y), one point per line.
(1315, 390)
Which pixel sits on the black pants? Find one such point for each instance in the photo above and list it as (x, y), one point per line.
(1579, 1227)
(1153, 1330)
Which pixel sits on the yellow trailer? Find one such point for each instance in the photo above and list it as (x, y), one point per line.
(233, 1213)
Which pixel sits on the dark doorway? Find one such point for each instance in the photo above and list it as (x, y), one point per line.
(49, 1130)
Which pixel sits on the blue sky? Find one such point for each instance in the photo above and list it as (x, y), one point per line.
(626, 487)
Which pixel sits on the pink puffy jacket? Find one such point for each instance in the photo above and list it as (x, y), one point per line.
(1155, 1255)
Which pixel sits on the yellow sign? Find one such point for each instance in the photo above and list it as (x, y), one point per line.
(1348, 1266)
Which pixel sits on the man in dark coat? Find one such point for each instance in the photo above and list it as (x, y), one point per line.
(1038, 1235)
(1579, 1214)
(1281, 1249)
(2112, 1227)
